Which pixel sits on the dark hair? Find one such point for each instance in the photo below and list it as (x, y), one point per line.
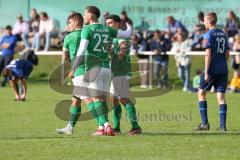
(200, 15)
(157, 31)
(198, 71)
(30, 56)
(94, 10)
(124, 12)
(44, 14)
(114, 17)
(76, 17)
(233, 14)
(8, 27)
(6, 72)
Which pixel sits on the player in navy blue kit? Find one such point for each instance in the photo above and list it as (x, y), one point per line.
(216, 72)
(18, 70)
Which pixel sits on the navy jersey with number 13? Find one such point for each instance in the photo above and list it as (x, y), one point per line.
(216, 40)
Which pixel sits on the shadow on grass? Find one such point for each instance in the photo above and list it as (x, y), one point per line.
(38, 80)
(125, 134)
(197, 133)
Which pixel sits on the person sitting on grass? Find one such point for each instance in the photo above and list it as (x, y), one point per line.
(196, 80)
(18, 71)
(235, 83)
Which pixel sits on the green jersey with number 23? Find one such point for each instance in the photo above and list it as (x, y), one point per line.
(99, 37)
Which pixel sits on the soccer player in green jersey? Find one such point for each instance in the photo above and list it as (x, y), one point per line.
(71, 45)
(121, 73)
(95, 38)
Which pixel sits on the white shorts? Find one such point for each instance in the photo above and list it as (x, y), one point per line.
(120, 87)
(80, 89)
(100, 83)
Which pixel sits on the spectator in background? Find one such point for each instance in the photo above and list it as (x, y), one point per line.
(183, 61)
(34, 22)
(21, 30)
(7, 45)
(232, 24)
(235, 82)
(125, 18)
(231, 43)
(236, 58)
(199, 30)
(197, 39)
(47, 29)
(175, 28)
(145, 39)
(160, 45)
(106, 14)
(200, 23)
(136, 48)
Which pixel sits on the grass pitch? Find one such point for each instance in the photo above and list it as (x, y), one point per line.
(28, 130)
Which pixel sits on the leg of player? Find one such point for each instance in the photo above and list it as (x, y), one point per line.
(91, 107)
(75, 112)
(117, 112)
(203, 110)
(14, 86)
(131, 112)
(101, 110)
(222, 110)
(117, 109)
(99, 90)
(100, 106)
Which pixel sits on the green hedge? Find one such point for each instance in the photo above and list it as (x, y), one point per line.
(47, 64)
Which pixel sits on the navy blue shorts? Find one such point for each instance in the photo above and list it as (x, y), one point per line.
(218, 81)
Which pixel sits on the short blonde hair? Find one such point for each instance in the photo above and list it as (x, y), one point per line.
(237, 38)
(212, 18)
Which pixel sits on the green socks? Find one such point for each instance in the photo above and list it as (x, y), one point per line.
(131, 112)
(91, 108)
(105, 107)
(75, 112)
(100, 108)
(117, 112)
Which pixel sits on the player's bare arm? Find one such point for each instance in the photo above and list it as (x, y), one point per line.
(125, 34)
(5, 45)
(65, 55)
(208, 57)
(227, 53)
(123, 49)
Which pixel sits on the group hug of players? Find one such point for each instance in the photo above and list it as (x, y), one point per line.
(89, 48)
(95, 75)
